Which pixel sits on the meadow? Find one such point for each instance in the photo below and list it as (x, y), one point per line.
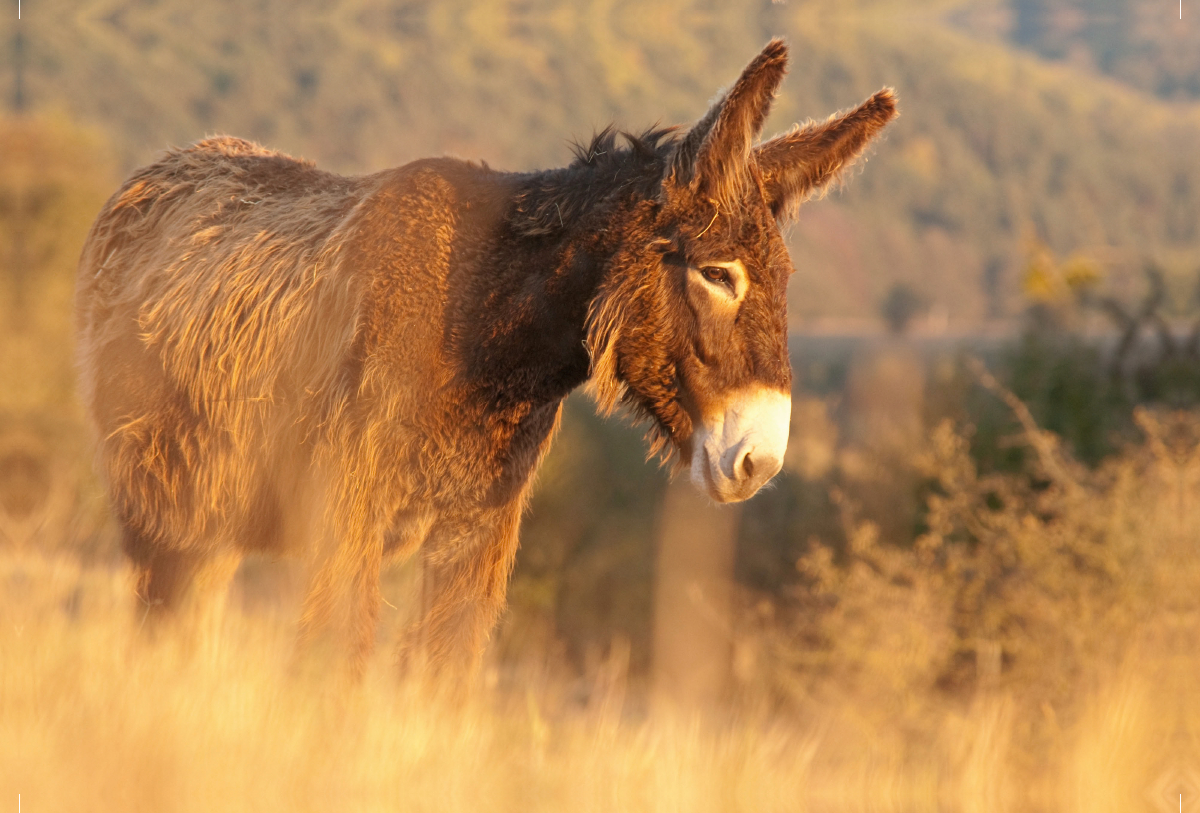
(974, 587)
(1034, 650)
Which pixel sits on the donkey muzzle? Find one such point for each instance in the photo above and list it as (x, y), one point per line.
(740, 447)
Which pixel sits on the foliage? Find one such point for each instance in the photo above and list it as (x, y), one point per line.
(990, 145)
(1083, 383)
(1032, 585)
(901, 305)
(53, 179)
(1139, 43)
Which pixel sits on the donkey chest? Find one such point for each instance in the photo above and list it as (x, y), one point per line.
(469, 479)
(478, 456)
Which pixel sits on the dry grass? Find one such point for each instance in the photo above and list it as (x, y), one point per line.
(98, 717)
(1082, 699)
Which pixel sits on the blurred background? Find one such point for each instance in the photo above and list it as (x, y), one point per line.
(992, 476)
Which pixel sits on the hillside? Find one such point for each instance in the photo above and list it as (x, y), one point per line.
(1150, 46)
(996, 146)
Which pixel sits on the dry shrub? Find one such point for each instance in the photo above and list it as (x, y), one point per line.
(1034, 649)
(1031, 647)
(54, 176)
(1050, 572)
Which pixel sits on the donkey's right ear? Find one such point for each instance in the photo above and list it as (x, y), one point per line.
(712, 159)
(797, 165)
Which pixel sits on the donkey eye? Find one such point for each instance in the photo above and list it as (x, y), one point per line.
(717, 274)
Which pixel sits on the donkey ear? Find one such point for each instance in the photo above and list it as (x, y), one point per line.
(713, 158)
(799, 164)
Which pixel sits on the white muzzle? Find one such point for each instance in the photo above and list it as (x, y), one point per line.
(738, 449)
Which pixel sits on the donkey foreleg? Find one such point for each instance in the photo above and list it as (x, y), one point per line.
(463, 587)
(341, 606)
(188, 587)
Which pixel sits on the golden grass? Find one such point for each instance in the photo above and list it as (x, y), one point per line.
(98, 714)
(100, 717)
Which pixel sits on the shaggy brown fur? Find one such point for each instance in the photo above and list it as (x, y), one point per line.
(284, 360)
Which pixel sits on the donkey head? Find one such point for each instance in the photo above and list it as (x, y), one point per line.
(690, 329)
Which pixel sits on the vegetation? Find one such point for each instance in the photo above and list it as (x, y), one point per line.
(53, 179)
(992, 146)
(973, 585)
(1138, 43)
(1028, 653)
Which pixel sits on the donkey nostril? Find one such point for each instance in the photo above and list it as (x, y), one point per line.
(746, 467)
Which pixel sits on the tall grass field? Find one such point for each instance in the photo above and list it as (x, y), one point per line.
(1068, 598)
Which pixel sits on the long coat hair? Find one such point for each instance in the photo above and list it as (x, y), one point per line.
(280, 359)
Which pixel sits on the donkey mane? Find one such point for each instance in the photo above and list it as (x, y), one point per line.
(551, 199)
(652, 144)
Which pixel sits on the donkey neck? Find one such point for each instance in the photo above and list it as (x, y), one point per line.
(524, 321)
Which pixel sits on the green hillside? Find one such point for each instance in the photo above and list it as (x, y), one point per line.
(996, 146)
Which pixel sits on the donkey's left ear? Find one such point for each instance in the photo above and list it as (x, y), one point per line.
(802, 163)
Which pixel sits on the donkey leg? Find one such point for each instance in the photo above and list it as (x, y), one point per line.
(462, 597)
(209, 596)
(162, 579)
(184, 585)
(341, 608)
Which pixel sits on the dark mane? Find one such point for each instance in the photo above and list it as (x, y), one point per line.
(549, 201)
(649, 145)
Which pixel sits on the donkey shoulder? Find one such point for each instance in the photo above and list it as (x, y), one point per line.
(417, 232)
(435, 190)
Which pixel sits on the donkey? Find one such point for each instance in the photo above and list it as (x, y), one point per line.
(278, 359)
